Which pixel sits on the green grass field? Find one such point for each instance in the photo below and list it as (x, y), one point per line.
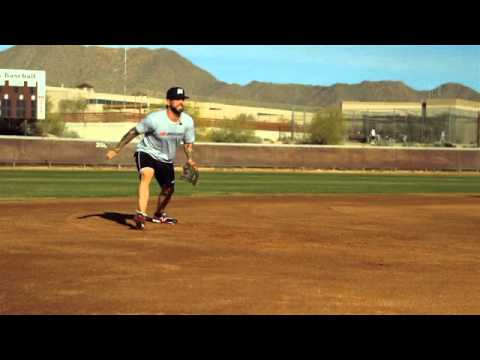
(20, 184)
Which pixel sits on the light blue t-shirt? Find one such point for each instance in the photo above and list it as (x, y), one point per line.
(162, 136)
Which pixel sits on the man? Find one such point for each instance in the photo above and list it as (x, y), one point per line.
(373, 136)
(163, 132)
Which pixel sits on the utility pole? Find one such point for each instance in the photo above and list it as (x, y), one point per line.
(292, 125)
(125, 80)
(424, 120)
(304, 120)
(478, 117)
(478, 129)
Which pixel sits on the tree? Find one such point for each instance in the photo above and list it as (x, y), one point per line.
(53, 123)
(327, 127)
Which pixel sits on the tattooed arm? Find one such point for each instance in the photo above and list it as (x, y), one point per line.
(188, 148)
(129, 136)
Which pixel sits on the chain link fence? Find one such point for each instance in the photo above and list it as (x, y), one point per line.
(447, 128)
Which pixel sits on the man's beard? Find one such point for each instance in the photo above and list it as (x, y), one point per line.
(176, 111)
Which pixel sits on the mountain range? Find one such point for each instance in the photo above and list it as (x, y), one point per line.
(153, 71)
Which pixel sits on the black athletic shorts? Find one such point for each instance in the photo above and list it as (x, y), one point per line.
(164, 172)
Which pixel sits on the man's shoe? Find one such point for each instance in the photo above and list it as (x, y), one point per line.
(162, 218)
(139, 219)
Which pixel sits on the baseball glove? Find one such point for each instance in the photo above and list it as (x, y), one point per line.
(190, 174)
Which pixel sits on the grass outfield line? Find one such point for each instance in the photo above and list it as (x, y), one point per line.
(25, 184)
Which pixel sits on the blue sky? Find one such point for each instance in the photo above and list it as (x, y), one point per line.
(422, 67)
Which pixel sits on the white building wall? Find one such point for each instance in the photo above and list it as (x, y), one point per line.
(113, 132)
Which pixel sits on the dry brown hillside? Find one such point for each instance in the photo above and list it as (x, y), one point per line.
(153, 71)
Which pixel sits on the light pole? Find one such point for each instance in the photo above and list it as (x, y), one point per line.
(125, 80)
(478, 129)
(304, 121)
(292, 135)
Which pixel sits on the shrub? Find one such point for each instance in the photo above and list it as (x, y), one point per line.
(327, 128)
(53, 123)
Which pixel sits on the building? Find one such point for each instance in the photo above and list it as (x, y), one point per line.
(432, 107)
(103, 102)
(22, 94)
(397, 121)
(22, 99)
(102, 121)
(100, 102)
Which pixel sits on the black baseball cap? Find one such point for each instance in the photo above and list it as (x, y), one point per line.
(176, 93)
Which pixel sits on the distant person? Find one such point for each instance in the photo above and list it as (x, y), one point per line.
(163, 131)
(442, 137)
(373, 135)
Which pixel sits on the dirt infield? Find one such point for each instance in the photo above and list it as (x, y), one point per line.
(366, 254)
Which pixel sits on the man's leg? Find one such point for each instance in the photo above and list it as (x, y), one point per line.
(165, 176)
(146, 175)
(163, 199)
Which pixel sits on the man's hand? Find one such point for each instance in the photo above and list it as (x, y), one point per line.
(192, 163)
(111, 154)
(129, 136)
(190, 173)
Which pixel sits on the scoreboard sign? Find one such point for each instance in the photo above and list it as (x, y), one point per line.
(20, 86)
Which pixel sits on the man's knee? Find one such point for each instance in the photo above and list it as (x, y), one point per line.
(168, 191)
(146, 174)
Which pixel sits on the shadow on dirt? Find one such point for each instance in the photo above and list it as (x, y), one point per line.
(115, 217)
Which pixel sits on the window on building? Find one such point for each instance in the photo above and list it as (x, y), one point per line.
(34, 109)
(20, 109)
(5, 108)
